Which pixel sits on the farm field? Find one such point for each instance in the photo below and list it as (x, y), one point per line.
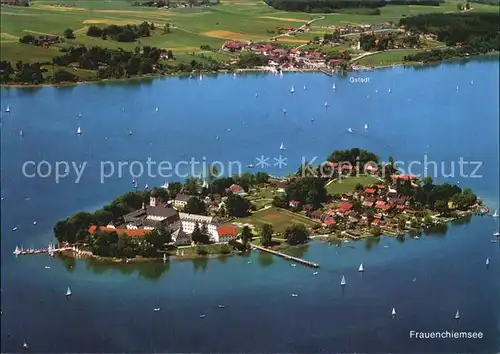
(191, 27)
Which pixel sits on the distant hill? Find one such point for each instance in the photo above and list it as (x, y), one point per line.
(325, 6)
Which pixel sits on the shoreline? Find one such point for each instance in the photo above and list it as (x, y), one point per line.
(283, 247)
(244, 70)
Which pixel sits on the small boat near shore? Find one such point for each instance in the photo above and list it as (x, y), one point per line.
(342, 281)
(68, 292)
(495, 214)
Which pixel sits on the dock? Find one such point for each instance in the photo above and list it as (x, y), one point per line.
(286, 256)
(23, 252)
(326, 72)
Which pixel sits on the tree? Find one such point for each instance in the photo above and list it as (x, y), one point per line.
(159, 236)
(467, 5)
(94, 31)
(375, 230)
(166, 29)
(174, 188)
(191, 186)
(441, 206)
(246, 235)
(302, 190)
(401, 224)
(68, 33)
(237, 205)
(296, 234)
(266, 235)
(195, 206)
(205, 235)
(196, 235)
(459, 7)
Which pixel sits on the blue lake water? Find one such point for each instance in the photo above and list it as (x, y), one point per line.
(112, 307)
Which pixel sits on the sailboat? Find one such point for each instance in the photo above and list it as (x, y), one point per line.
(25, 345)
(497, 233)
(234, 75)
(361, 269)
(164, 257)
(157, 109)
(284, 110)
(282, 146)
(165, 185)
(393, 312)
(326, 104)
(294, 295)
(133, 180)
(488, 261)
(350, 130)
(366, 126)
(495, 214)
(334, 87)
(305, 87)
(292, 90)
(7, 109)
(201, 77)
(389, 91)
(14, 228)
(68, 292)
(17, 251)
(156, 309)
(146, 186)
(315, 273)
(79, 131)
(342, 282)
(136, 185)
(129, 132)
(457, 315)
(21, 133)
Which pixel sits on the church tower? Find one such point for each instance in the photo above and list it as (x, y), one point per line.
(152, 198)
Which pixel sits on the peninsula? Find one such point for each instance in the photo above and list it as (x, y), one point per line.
(94, 41)
(350, 196)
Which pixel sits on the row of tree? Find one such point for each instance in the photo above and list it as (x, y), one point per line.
(453, 28)
(327, 6)
(127, 33)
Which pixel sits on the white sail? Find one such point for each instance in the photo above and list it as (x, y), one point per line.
(488, 261)
(68, 292)
(21, 133)
(165, 185)
(350, 130)
(146, 186)
(292, 90)
(393, 311)
(25, 345)
(284, 111)
(79, 131)
(389, 91)
(157, 109)
(361, 269)
(496, 233)
(334, 87)
(7, 109)
(282, 146)
(457, 315)
(495, 214)
(366, 126)
(164, 257)
(326, 104)
(342, 282)
(305, 87)
(130, 132)
(16, 251)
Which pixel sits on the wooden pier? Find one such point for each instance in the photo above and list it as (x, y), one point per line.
(326, 72)
(286, 256)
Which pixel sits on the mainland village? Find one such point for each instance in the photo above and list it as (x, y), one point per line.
(334, 202)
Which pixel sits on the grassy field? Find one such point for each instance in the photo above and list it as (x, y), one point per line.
(386, 58)
(348, 184)
(243, 19)
(279, 218)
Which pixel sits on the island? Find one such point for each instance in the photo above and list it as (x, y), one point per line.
(351, 195)
(97, 41)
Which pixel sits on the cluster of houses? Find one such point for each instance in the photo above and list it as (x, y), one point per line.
(279, 56)
(150, 216)
(384, 200)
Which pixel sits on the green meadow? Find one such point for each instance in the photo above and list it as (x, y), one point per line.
(191, 27)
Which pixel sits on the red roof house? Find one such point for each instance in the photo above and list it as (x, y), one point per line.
(344, 207)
